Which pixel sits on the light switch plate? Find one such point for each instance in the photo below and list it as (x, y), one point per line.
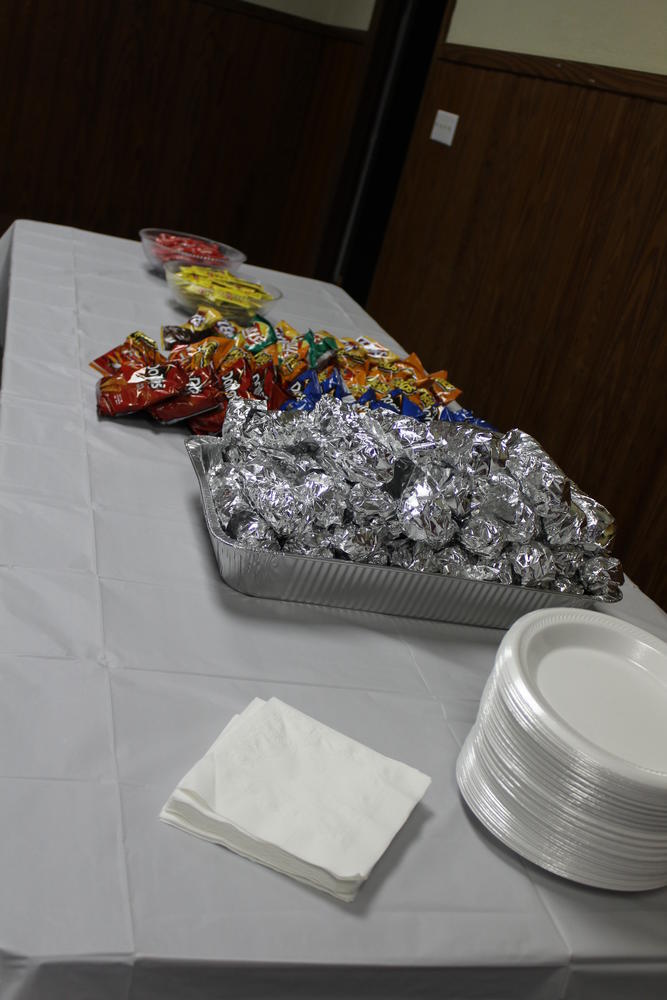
(444, 127)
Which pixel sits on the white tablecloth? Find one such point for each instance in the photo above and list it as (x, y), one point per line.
(123, 655)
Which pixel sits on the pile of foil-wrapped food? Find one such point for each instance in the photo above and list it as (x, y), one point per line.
(340, 482)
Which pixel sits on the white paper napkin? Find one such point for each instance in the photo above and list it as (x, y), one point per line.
(282, 789)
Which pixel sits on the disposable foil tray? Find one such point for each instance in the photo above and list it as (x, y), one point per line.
(387, 590)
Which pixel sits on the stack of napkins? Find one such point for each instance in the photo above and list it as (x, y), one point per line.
(281, 788)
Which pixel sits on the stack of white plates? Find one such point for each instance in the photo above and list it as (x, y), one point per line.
(567, 761)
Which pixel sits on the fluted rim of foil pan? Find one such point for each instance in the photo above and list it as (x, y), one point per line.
(533, 597)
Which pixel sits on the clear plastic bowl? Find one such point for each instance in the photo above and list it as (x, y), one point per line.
(157, 258)
(191, 299)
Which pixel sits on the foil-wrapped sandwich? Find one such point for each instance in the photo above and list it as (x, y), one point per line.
(341, 482)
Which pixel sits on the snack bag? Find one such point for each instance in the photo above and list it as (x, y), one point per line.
(234, 379)
(381, 380)
(354, 375)
(293, 359)
(136, 351)
(376, 351)
(332, 382)
(286, 332)
(193, 330)
(134, 389)
(371, 399)
(173, 246)
(226, 328)
(413, 361)
(460, 416)
(263, 385)
(211, 422)
(305, 392)
(403, 374)
(406, 405)
(442, 390)
(420, 397)
(220, 288)
(349, 350)
(323, 348)
(216, 350)
(201, 393)
(257, 337)
(267, 356)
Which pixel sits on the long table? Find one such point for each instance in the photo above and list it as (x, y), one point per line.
(123, 655)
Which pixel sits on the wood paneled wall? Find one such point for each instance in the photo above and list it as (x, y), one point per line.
(530, 259)
(219, 118)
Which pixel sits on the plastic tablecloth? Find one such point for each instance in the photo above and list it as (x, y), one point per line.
(123, 655)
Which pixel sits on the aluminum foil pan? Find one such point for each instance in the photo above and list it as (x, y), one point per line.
(392, 590)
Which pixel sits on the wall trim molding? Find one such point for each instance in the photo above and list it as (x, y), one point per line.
(627, 82)
(293, 21)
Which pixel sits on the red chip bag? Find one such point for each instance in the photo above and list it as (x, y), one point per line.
(136, 351)
(202, 392)
(264, 385)
(134, 389)
(200, 395)
(234, 379)
(209, 423)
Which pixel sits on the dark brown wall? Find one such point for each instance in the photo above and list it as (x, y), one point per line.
(218, 118)
(530, 260)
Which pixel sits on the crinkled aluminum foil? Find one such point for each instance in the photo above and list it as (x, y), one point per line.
(602, 576)
(469, 449)
(498, 570)
(483, 534)
(226, 491)
(456, 491)
(563, 526)
(357, 544)
(309, 544)
(500, 497)
(453, 561)
(533, 562)
(372, 486)
(252, 531)
(568, 559)
(567, 585)
(371, 504)
(423, 513)
(599, 530)
(541, 480)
